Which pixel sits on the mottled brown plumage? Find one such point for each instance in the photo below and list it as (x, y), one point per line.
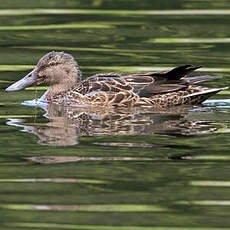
(155, 89)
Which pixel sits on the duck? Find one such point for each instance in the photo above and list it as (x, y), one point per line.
(150, 89)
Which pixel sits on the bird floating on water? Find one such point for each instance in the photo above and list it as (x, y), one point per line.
(155, 89)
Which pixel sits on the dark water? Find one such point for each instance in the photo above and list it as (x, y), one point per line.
(121, 169)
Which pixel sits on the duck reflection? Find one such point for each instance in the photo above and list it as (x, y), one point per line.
(67, 124)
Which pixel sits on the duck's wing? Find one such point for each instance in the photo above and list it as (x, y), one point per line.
(166, 81)
(145, 84)
(109, 89)
(108, 82)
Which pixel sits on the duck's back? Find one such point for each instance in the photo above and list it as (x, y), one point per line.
(145, 84)
(156, 89)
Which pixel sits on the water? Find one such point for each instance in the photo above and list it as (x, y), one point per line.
(73, 168)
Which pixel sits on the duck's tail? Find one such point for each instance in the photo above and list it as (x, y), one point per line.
(199, 97)
(178, 72)
(198, 79)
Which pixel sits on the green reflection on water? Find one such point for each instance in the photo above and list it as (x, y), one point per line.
(190, 40)
(87, 208)
(50, 27)
(137, 170)
(13, 12)
(101, 227)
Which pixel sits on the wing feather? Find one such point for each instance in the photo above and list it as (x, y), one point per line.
(142, 84)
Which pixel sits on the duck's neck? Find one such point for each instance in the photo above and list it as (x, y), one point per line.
(68, 79)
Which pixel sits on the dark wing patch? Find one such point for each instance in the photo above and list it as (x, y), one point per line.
(118, 98)
(105, 87)
(177, 72)
(152, 89)
(95, 86)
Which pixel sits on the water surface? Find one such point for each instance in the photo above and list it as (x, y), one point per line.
(138, 169)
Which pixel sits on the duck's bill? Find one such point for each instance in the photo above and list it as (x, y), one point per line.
(28, 80)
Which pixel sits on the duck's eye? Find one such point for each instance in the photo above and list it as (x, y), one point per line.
(52, 63)
(39, 75)
(42, 76)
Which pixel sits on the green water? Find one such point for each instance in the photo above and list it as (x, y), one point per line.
(115, 170)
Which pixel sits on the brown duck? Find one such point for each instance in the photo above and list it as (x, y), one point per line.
(155, 89)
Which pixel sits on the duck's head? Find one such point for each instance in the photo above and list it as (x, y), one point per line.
(57, 69)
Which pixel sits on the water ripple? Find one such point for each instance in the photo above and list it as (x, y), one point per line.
(205, 202)
(58, 26)
(87, 208)
(65, 159)
(13, 12)
(100, 227)
(211, 183)
(189, 40)
(54, 180)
